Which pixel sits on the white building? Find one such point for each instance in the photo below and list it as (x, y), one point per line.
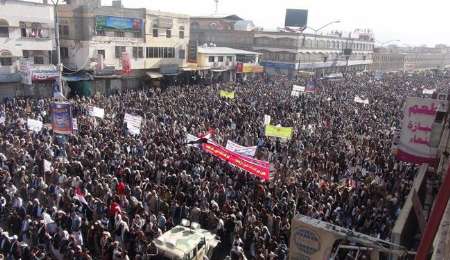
(227, 62)
(167, 38)
(26, 34)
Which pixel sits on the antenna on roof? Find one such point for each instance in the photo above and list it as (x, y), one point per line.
(217, 6)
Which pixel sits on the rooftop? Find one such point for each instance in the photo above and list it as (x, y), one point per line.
(224, 51)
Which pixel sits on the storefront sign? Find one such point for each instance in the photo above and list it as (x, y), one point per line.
(118, 23)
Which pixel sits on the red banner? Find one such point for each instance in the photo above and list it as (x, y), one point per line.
(258, 168)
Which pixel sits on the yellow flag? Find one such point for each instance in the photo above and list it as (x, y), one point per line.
(227, 94)
(282, 132)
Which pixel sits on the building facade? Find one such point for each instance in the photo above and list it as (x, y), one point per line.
(220, 31)
(228, 64)
(388, 62)
(26, 48)
(287, 52)
(426, 60)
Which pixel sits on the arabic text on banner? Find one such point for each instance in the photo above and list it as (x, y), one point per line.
(234, 147)
(97, 112)
(133, 123)
(227, 94)
(261, 169)
(34, 125)
(361, 100)
(62, 122)
(418, 136)
(276, 131)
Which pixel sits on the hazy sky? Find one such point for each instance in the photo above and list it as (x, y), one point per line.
(414, 22)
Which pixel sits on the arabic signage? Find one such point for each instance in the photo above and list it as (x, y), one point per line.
(32, 72)
(248, 68)
(258, 168)
(103, 23)
(418, 130)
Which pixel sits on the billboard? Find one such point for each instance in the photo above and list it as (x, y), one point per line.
(103, 23)
(419, 130)
(296, 18)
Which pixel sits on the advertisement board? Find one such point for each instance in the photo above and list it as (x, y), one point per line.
(103, 23)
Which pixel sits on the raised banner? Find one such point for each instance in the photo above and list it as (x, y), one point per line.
(267, 119)
(260, 169)
(96, 112)
(242, 150)
(426, 91)
(133, 123)
(62, 122)
(418, 130)
(227, 94)
(34, 125)
(278, 131)
(361, 100)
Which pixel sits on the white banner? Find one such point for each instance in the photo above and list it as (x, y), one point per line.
(428, 91)
(34, 125)
(267, 119)
(361, 101)
(47, 166)
(96, 112)
(192, 138)
(133, 123)
(75, 124)
(298, 88)
(242, 150)
(419, 136)
(295, 93)
(2, 118)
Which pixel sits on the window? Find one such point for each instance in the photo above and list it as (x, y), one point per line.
(220, 58)
(101, 33)
(26, 54)
(119, 34)
(155, 32)
(181, 32)
(38, 60)
(168, 33)
(64, 52)
(230, 58)
(5, 61)
(165, 54)
(120, 50)
(101, 52)
(64, 30)
(181, 54)
(160, 52)
(211, 58)
(4, 31)
(137, 34)
(171, 53)
(149, 52)
(138, 52)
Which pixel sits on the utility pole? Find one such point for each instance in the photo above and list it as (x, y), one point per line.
(57, 44)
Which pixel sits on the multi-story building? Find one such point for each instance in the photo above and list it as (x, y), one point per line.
(221, 31)
(167, 38)
(418, 60)
(227, 63)
(287, 52)
(119, 45)
(26, 48)
(387, 61)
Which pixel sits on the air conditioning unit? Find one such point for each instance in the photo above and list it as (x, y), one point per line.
(215, 64)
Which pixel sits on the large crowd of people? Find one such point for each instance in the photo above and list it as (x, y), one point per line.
(109, 193)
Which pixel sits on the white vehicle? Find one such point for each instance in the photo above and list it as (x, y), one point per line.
(186, 243)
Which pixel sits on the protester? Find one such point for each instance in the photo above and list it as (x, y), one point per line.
(108, 193)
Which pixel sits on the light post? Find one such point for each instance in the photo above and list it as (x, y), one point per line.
(57, 44)
(316, 31)
(386, 42)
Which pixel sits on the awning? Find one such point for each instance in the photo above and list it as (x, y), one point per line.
(154, 75)
(77, 77)
(219, 70)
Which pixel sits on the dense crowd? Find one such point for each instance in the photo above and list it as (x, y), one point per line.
(338, 167)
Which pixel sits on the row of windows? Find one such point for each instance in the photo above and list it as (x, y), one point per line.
(220, 58)
(138, 52)
(156, 33)
(27, 30)
(312, 43)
